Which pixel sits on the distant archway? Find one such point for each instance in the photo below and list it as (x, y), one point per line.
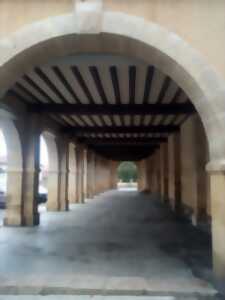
(13, 168)
(127, 174)
(52, 171)
(43, 175)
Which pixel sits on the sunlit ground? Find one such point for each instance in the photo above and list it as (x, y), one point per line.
(127, 186)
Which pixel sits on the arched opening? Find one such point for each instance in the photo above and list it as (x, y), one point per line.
(49, 177)
(43, 175)
(11, 171)
(127, 175)
(180, 72)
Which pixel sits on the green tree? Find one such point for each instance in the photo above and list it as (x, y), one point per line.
(127, 171)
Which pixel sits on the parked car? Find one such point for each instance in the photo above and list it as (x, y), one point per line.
(42, 195)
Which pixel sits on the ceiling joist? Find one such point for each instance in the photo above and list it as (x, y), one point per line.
(107, 109)
(123, 141)
(79, 131)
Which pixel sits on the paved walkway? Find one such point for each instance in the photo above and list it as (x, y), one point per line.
(120, 243)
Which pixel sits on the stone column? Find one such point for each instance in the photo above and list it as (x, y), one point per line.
(164, 171)
(217, 182)
(72, 192)
(63, 146)
(174, 171)
(85, 174)
(90, 173)
(93, 174)
(78, 174)
(13, 212)
(114, 175)
(152, 173)
(31, 155)
(97, 175)
(80, 167)
(53, 190)
(140, 176)
(194, 178)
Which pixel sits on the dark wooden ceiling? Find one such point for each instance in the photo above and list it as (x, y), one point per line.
(123, 109)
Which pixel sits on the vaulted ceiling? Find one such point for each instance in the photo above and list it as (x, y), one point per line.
(121, 107)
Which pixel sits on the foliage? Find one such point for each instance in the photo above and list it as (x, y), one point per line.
(127, 171)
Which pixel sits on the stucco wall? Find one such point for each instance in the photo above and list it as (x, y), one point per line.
(16, 14)
(200, 23)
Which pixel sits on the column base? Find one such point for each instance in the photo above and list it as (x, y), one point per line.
(13, 216)
(33, 220)
(12, 221)
(52, 207)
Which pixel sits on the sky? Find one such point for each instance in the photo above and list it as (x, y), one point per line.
(43, 149)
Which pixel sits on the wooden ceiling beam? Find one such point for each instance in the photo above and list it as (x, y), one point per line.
(80, 131)
(124, 153)
(109, 109)
(122, 141)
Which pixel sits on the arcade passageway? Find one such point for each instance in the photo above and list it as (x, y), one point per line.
(119, 241)
(100, 87)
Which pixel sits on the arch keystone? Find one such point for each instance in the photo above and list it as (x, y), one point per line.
(89, 16)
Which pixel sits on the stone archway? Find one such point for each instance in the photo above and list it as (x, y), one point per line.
(53, 171)
(122, 34)
(13, 214)
(118, 33)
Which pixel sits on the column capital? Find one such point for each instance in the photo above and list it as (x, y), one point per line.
(216, 166)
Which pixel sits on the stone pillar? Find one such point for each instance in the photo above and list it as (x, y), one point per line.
(13, 212)
(217, 182)
(98, 175)
(63, 146)
(85, 174)
(153, 173)
(142, 175)
(90, 174)
(53, 190)
(174, 171)
(80, 167)
(93, 167)
(31, 155)
(78, 175)
(164, 171)
(72, 192)
(194, 178)
(114, 175)
(53, 172)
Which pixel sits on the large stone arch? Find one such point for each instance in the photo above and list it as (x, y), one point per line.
(14, 207)
(53, 171)
(118, 33)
